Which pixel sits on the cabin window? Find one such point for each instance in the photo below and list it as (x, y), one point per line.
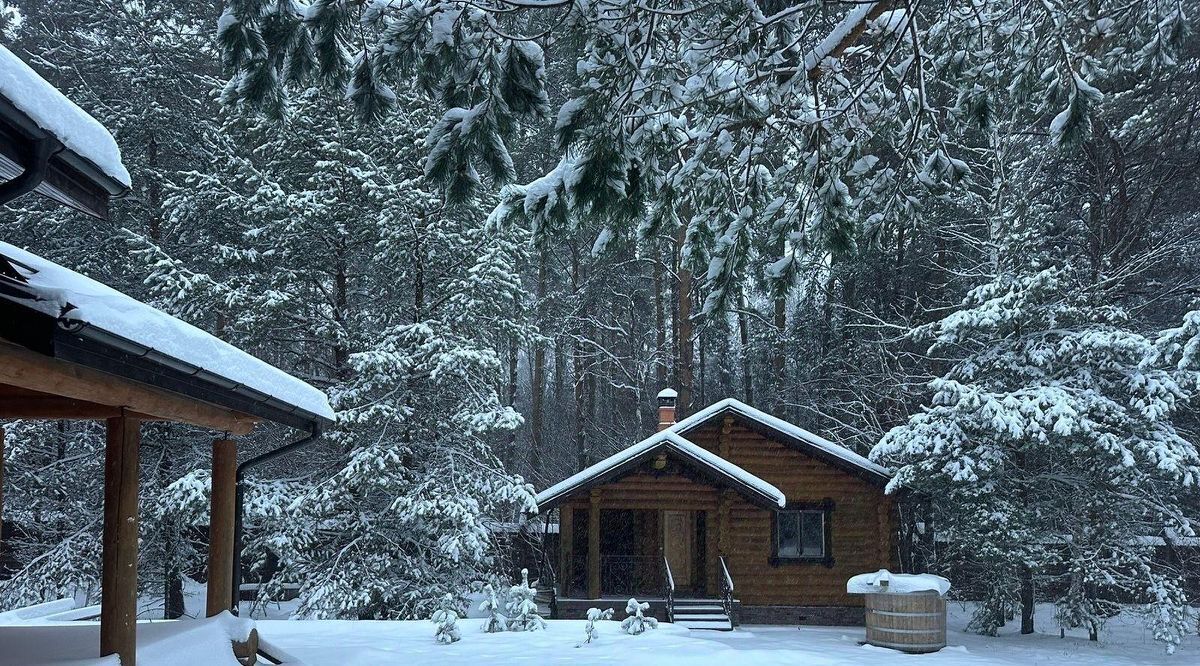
(803, 534)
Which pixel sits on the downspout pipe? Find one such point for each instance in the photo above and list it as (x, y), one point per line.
(37, 164)
(239, 510)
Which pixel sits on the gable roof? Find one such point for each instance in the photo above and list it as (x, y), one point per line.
(55, 311)
(789, 433)
(747, 484)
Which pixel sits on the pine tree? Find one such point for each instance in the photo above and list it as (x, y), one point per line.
(522, 606)
(496, 621)
(594, 615)
(637, 622)
(1049, 444)
(446, 619)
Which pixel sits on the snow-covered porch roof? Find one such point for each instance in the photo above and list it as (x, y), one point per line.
(753, 488)
(790, 433)
(52, 310)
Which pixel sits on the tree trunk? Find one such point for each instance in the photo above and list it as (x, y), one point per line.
(660, 322)
(510, 399)
(341, 354)
(538, 379)
(683, 329)
(744, 339)
(779, 357)
(1027, 600)
(578, 372)
(173, 607)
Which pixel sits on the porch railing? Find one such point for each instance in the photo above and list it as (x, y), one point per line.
(669, 592)
(630, 574)
(726, 589)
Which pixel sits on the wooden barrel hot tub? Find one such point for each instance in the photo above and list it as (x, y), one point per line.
(913, 622)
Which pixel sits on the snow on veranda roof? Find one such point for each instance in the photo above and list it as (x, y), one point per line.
(667, 440)
(53, 112)
(59, 292)
(833, 453)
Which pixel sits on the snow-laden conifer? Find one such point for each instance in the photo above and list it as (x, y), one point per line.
(495, 621)
(590, 631)
(446, 619)
(636, 621)
(1048, 449)
(522, 606)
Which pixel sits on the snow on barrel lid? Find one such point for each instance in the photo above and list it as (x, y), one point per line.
(52, 111)
(886, 582)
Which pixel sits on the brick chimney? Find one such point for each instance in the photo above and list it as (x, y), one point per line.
(666, 408)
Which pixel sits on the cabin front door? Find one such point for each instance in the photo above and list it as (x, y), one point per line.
(679, 542)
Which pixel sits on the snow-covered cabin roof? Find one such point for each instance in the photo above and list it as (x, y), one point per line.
(92, 313)
(53, 112)
(809, 442)
(748, 484)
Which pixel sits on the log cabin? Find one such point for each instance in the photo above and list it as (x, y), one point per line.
(728, 516)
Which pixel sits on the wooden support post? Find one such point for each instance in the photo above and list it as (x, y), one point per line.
(712, 553)
(1, 492)
(566, 543)
(220, 527)
(118, 579)
(723, 502)
(594, 590)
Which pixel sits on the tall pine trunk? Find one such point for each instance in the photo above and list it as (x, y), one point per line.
(1027, 600)
(538, 377)
(683, 328)
(744, 339)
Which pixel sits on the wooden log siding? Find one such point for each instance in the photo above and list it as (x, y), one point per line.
(862, 520)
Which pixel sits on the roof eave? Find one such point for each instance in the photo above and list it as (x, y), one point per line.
(95, 348)
(754, 495)
(72, 179)
(732, 406)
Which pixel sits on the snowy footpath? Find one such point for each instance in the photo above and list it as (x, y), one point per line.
(348, 643)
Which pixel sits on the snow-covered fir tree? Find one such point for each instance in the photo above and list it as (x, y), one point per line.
(446, 619)
(1048, 447)
(522, 606)
(594, 615)
(636, 621)
(495, 621)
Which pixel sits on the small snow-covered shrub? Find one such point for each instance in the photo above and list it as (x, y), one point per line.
(593, 615)
(522, 606)
(496, 621)
(637, 622)
(446, 619)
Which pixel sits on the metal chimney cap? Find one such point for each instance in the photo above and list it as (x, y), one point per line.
(667, 397)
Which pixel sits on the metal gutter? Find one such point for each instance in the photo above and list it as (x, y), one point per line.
(36, 164)
(141, 363)
(240, 508)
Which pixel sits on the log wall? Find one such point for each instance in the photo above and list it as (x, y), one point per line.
(861, 531)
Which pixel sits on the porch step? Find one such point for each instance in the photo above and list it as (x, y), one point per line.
(711, 622)
(701, 614)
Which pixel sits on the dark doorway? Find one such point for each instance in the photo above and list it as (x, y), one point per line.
(630, 558)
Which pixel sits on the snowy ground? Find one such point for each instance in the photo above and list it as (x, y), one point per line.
(348, 643)
(386, 643)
